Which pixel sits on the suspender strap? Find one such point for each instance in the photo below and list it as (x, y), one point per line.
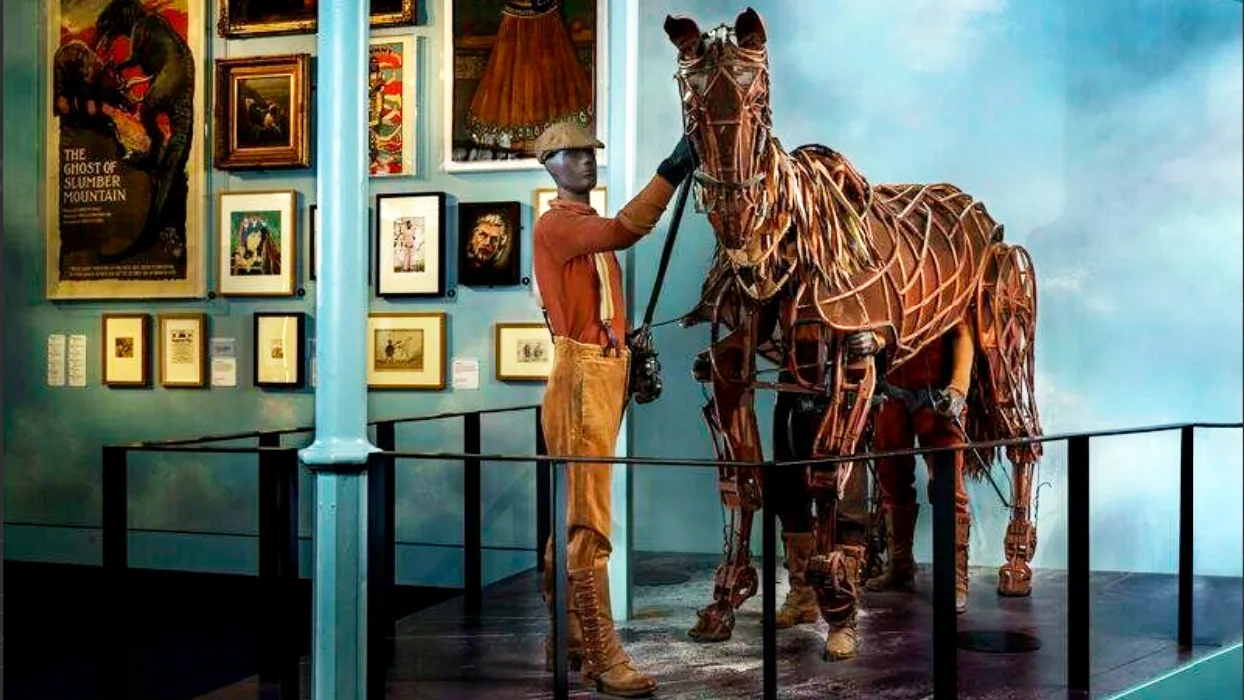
(606, 301)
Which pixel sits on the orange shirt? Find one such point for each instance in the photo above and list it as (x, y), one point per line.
(565, 239)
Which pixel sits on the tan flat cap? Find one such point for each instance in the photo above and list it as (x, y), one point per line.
(561, 136)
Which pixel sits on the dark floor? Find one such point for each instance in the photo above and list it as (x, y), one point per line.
(443, 653)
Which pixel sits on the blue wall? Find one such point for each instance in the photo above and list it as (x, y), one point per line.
(1107, 138)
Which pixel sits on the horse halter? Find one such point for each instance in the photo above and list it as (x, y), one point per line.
(725, 94)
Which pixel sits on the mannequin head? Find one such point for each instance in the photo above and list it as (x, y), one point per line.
(574, 170)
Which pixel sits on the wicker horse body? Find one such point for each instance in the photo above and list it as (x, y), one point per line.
(810, 254)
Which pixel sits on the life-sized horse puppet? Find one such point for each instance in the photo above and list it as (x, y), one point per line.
(830, 278)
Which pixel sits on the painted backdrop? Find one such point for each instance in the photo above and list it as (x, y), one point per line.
(1106, 136)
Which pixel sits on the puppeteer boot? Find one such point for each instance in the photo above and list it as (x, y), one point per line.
(800, 604)
(605, 664)
(574, 631)
(899, 573)
(836, 581)
(963, 530)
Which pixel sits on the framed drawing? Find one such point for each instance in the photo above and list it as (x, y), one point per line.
(523, 352)
(544, 195)
(183, 350)
(488, 244)
(256, 243)
(279, 339)
(126, 351)
(410, 244)
(406, 350)
(392, 109)
(548, 55)
(125, 218)
(263, 115)
(247, 18)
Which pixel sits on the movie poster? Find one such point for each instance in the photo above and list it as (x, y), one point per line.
(124, 176)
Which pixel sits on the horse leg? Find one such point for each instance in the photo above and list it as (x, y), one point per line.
(731, 420)
(1015, 576)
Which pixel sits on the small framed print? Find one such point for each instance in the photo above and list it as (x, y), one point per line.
(183, 350)
(279, 339)
(598, 199)
(393, 74)
(524, 352)
(488, 244)
(126, 351)
(406, 350)
(256, 243)
(262, 119)
(410, 244)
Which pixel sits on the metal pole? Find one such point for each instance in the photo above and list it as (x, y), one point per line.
(561, 678)
(1078, 601)
(768, 586)
(1185, 537)
(341, 448)
(945, 624)
(472, 526)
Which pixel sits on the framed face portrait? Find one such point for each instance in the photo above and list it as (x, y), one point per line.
(488, 244)
(278, 352)
(406, 350)
(523, 352)
(410, 244)
(126, 350)
(247, 18)
(597, 199)
(256, 243)
(263, 119)
(183, 350)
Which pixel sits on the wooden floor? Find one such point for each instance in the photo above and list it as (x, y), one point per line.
(441, 652)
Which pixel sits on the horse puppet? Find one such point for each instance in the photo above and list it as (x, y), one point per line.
(836, 281)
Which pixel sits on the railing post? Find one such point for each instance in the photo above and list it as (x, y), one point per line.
(279, 632)
(473, 545)
(1185, 536)
(115, 545)
(381, 622)
(945, 624)
(543, 478)
(561, 670)
(768, 589)
(1078, 600)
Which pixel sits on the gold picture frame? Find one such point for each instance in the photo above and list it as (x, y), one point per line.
(599, 200)
(232, 23)
(278, 351)
(407, 350)
(250, 136)
(256, 243)
(125, 341)
(522, 352)
(183, 350)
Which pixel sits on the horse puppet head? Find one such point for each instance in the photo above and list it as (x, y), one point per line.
(723, 80)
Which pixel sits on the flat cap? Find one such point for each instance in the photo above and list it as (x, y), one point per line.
(562, 136)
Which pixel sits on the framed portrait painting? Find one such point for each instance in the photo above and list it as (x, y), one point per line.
(406, 350)
(523, 352)
(548, 55)
(488, 244)
(256, 243)
(597, 199)
(126, 350)
(124, 198)
(278, 351)
(410, 244)
(183, 350)
(392, 111)
(263, 115)
(247, 18)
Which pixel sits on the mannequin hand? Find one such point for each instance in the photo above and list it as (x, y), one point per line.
(950, 402)
(680, 162)
(862, 344)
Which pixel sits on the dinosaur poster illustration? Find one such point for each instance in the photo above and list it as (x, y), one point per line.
(124, 175)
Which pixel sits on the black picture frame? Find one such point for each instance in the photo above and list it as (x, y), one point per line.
(417, 284)
(297, 352)
(503, 271)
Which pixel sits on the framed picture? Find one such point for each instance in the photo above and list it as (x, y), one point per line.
(410, 244)
(279, 339)
(183, 350)
(544, 195)
(256, 243)
(121, 222)
(247, 18)
(553, 61)
(406, 350)
(488, 244)
(392, 109)
(263, 115)
(126, 351)
(524, 352)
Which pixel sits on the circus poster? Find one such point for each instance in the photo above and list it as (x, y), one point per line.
(392, 109)
(124, 167)
(519, 66)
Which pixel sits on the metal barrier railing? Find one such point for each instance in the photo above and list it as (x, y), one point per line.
(278, 536)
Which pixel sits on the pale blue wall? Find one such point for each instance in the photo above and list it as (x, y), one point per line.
(1108, 140)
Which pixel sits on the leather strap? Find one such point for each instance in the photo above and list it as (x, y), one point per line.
(606, 301)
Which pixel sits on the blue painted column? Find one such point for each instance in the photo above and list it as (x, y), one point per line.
(341, 447)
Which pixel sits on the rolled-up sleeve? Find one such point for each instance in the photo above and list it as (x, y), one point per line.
(570, 235)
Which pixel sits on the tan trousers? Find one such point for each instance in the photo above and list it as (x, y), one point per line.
(583, 405)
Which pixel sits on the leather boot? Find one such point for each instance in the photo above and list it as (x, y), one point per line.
(800, 604)
(605, 664)
(963, 530)
(899, 573)
(836, 581)
(574, 631)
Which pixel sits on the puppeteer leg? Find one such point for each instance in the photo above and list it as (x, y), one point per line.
(582, 413)
(793, 433)
(896, 478)
(938, 431)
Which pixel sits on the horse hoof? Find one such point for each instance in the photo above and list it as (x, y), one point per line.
(714, 625)
(1014, 581)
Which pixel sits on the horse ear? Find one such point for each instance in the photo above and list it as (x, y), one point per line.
(750, 29)
(683, 33)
